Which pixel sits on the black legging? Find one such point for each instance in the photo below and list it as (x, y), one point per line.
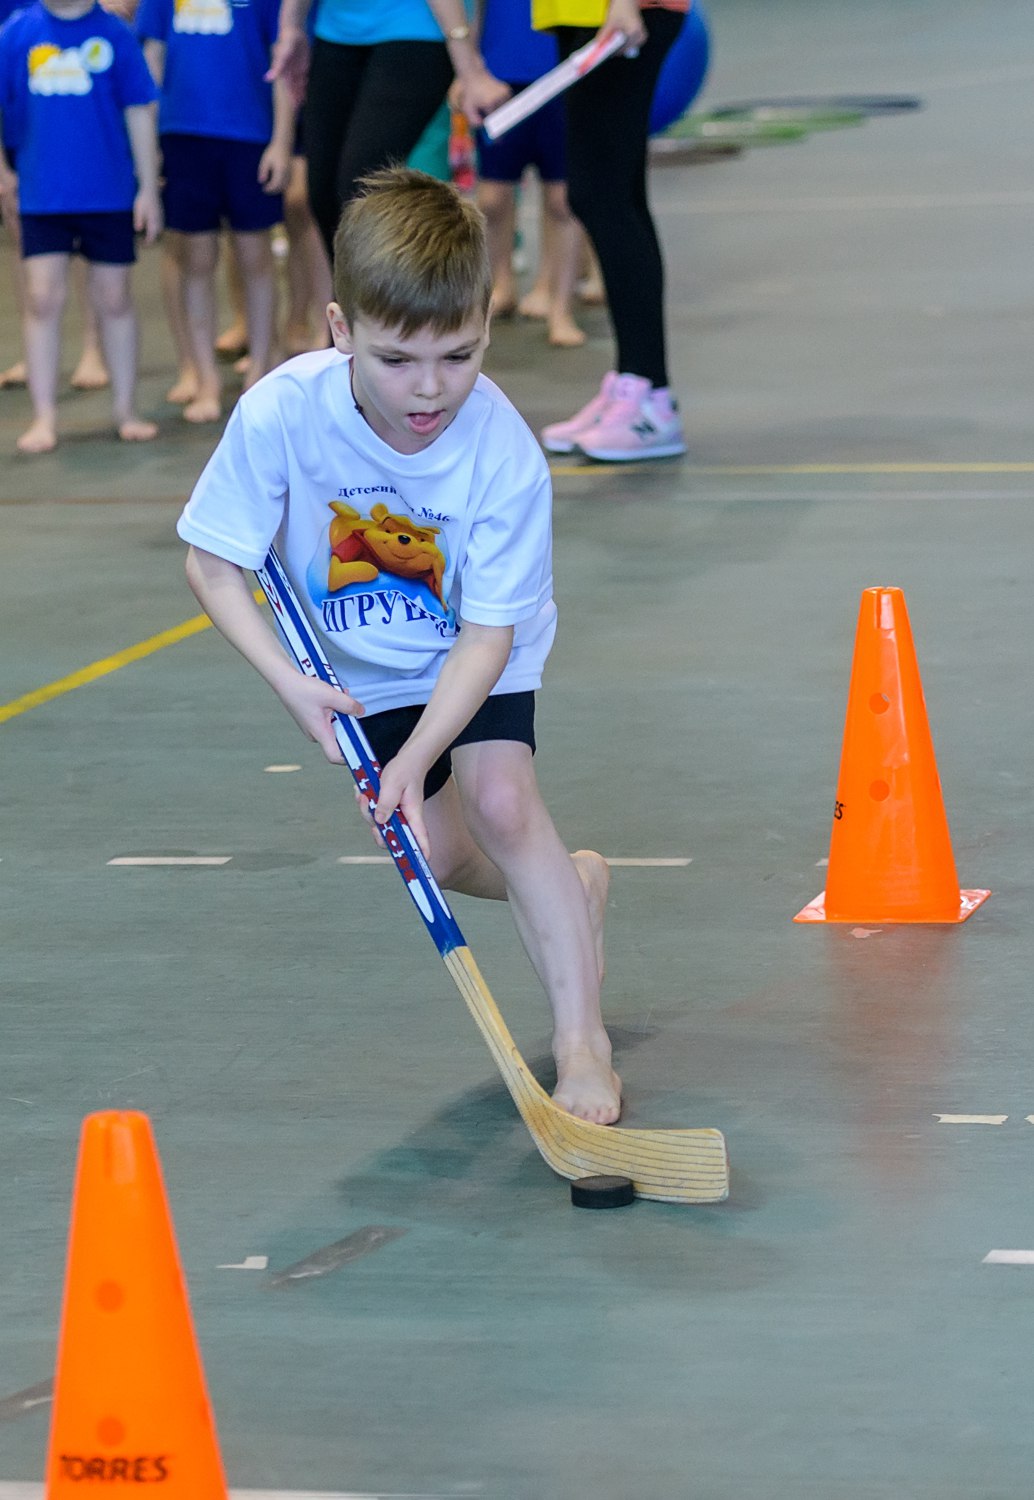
(608, 114)
(366, 107)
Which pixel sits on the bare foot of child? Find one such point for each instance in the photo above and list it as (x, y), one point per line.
(14, 377)
(135, 430)
(91, 373)
(564, 332)
(591, 291)
(205, 407)
(594, 873)
(587, 1085)
(534, 304)
(40, 437)
(232, 342)
(242, 366)
(185, 389)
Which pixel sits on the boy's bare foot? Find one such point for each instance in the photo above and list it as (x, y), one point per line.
(242, 366)
(594, 873)
(40, 437)
(91, 373)
(14, 377)
(232, 342)
(564, 332)
(135, 430)
(587, 1085)
(591, 292)
(534, 304)
(204, 408)
(185, 389)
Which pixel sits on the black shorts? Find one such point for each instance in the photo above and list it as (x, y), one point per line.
(210, 181)
(509, 716)
(101, 238)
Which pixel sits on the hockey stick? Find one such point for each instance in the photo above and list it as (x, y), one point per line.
(674, 1166)
(552, 83)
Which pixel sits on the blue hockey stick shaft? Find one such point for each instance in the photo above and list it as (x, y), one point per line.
(355, 747)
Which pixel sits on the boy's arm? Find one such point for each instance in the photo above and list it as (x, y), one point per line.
(223, 593)
(154, 55)
(290, 59)
(471, 670)
(275, 166)
(141, 123)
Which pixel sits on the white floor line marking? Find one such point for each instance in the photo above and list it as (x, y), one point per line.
(1029, 1119)
(820, 862)
(170, 859)
(630, 864)
(275, 769)
(971, 1119)
(249, 1263)
(646, 864)
(1009, 1258)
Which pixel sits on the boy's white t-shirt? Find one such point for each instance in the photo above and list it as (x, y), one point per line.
(418, 542)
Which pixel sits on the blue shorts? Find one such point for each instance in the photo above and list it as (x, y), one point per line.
(508, 716)
(539, 142)
(105, 238)
(210, 182)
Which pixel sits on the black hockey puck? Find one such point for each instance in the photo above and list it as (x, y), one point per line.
(602, 1192)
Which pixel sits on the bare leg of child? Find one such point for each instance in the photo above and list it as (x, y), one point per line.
(254, 254)
(16, 375)
(491, 835)
(90, 373)
(591, 290)
(309, 286)
(497, 201)
(565, 253)
(185, 387)
(535, 302)
(45, 286)
(198, 256)
(232, 343)
(111, 294)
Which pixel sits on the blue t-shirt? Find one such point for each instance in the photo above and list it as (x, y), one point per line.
(512, 51)
(64, 86)
(216, 58)
(364, 23)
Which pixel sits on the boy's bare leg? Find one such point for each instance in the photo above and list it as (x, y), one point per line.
(309, 286)
(497, 201)
(111, 293)
(198, 256)
(565, 253)
(15, 375)
(185, 386)
(45, 284)
(232, 343)
(254, 251)
(91, 373)
(557, 905)
(535, 302)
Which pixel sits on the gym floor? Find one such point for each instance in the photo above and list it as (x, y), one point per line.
(851, 321)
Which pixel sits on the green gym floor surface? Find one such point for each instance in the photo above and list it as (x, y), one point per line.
(851, 319)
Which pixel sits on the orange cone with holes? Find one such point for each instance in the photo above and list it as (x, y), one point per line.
(890, 857)
(130, 1405)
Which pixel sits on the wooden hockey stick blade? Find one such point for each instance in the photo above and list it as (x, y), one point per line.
(671, 1166)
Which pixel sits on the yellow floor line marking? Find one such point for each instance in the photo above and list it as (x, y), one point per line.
(108, 664)
(103, 667)
(582, 471)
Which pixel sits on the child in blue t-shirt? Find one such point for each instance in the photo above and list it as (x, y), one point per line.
(519, 55)
(226, 139)
(77, 104)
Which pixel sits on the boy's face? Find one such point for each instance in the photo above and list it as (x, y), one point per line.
(410, 388)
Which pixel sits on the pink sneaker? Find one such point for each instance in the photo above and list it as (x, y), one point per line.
(638, 422)
(561, 437)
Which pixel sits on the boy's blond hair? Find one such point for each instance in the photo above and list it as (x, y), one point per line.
(410, 253)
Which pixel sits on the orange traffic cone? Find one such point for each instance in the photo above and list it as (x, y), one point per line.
(890, 856)
(130, 1403)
